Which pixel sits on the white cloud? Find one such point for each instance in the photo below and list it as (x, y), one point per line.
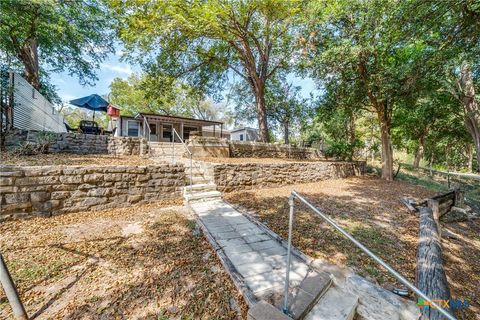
(125, 69)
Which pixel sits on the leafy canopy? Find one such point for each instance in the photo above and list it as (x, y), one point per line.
(72, 36)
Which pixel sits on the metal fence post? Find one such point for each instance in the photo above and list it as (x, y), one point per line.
(11, 292)
(291, 202)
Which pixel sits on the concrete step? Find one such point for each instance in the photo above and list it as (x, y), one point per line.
(200, 187)
(304, 293)
(198, 179)
(336, 304)
(209, 195)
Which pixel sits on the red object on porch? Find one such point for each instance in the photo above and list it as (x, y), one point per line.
(112, 111)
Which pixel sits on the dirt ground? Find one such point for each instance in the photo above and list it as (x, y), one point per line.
(369, 208)
(145, 262)
(73, 160)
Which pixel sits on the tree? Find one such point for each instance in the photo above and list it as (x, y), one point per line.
(451, 29)
(336, 116)
(285, 107)
(357, 44)
(465, 92)
(56, 36)
(141, 93)
(204, 42)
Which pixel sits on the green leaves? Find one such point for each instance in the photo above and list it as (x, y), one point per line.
(63, 35)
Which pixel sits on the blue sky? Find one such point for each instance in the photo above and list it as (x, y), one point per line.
(68, 87)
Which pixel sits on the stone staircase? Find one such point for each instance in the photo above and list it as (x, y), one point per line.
(203, 187)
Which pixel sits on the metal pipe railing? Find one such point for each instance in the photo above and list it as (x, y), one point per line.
(175, 133)
(294, 195)
(11, 292)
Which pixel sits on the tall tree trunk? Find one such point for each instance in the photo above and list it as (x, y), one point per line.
(470, 158)
(470, 106)
(387, 152)
(419, 152)
(28, 54)
(352, 135)
(286, 132)
(384, 121)
(261, 112)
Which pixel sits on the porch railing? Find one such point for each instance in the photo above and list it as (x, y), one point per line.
(175, 133)
(291, 201)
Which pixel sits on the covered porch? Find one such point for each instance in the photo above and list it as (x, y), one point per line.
(159, 128)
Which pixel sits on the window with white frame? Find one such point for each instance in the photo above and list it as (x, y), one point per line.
(132, 128)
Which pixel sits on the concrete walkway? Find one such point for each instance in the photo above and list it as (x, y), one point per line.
(258, 259)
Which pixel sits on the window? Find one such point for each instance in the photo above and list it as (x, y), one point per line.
(241, 137)
(153, 128)
(167, 132)
(132, 128)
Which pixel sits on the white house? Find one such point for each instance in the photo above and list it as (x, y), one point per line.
(245, 134)
(159, 127)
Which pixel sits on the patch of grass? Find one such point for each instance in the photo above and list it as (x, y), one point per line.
(422, 181)
(372, 236)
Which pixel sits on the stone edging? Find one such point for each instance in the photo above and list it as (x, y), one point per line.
(227, 265)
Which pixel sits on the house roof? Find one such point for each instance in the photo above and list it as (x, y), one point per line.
(244, 128)
(176, 119)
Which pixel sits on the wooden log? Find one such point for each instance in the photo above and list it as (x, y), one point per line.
(459, 198)
(430, 275)
(447, 195)
(407, 203)
(434, 205)
(445, 207)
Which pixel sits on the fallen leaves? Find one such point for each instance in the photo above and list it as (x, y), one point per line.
(368, 208)
(87, 266)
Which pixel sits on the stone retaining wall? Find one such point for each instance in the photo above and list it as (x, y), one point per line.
(47, 190)
(249, 149)
(237, 177)
(79, 143)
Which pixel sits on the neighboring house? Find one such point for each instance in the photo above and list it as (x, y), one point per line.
(159, 128)
(245, 134)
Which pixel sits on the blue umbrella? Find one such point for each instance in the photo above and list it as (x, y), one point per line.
(92, 102)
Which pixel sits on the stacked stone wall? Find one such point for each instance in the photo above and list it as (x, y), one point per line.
(79, 143)
(238, 177)
(249, 149)
(47, 190)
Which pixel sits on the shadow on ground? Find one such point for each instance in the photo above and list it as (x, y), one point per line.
(370, 210)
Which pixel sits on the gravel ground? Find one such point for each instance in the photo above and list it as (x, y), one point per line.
(369, 208)
(135, 263)
(74, 160)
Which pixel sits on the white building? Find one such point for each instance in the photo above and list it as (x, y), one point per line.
(245, 134)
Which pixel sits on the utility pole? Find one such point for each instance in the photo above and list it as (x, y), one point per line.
(11, 291)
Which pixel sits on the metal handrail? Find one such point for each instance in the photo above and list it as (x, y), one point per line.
(186, 148)
(291, 201)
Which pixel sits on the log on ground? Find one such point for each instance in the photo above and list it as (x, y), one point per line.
(430, 274)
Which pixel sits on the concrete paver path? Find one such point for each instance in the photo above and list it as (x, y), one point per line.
(259, 258)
